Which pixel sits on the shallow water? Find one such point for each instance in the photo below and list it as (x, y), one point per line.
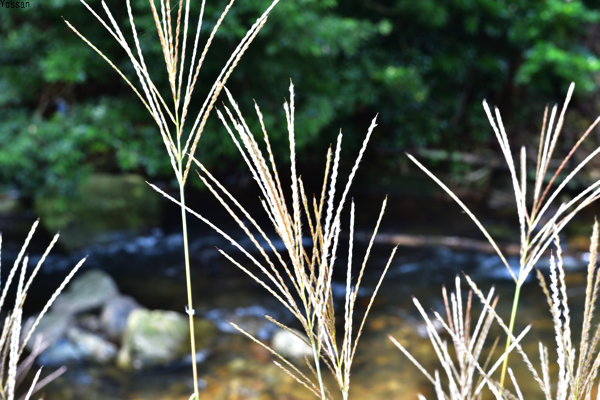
(150, 268)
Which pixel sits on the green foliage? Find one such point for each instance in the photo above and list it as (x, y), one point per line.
(50, 156)
(465, 51)
(423, 65)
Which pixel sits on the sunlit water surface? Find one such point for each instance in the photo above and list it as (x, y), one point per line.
(150, 268)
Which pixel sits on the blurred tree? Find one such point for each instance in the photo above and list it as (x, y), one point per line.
(518, 54)
(423, 65)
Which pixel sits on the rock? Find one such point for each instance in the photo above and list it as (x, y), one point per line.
(60, 353)
(52, 328)
(89, 291)
(68, 343)
(113, 319)
(92, 347)
(77, 346)
(153, 338)
(289, 345)
(106, 204)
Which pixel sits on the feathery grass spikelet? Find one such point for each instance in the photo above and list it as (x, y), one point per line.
(468, 344)
(12, 369)
(575, 378)
(171, 121)
(14, 351)
(309, 270)
(534, 239)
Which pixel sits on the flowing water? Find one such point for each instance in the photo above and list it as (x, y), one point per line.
(150, 268)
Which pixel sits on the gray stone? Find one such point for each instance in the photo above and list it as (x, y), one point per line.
(92, 347)
(68, 343)
(113, 319)
(89, 291)
(60, 353)
(153, 338)
(289, 345)
(51, 328)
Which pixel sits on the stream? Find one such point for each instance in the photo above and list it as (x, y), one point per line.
(150, 268)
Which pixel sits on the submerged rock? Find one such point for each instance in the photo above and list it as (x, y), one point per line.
(60, 353)
(153, 338)
(250, 319)
(78, 345)
(89, 291)
(68, 343)
(290, 345)
(92, 347)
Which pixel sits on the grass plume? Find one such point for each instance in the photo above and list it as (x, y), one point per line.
(182, 76)
(305, 287)
(12, 339)
(535, 236)
(462, 369)
(577, 371)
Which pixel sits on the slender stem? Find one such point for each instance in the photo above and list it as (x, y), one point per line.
(513, 317)
(188, 283)
(186, 252)
(318, 369)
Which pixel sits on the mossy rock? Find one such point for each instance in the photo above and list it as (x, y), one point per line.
(105, 204)
(158, 338)
(153, 338)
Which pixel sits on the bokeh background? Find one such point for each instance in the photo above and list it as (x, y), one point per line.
(77, 145)
(424, 66)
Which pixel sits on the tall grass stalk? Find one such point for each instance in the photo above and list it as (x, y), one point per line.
(306, 288)
(171, 119)
(468, 346)
(574, 377)
(535, 234)
(12, 339)
(576, 372)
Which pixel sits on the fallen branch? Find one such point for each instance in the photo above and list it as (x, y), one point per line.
(446, 241)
